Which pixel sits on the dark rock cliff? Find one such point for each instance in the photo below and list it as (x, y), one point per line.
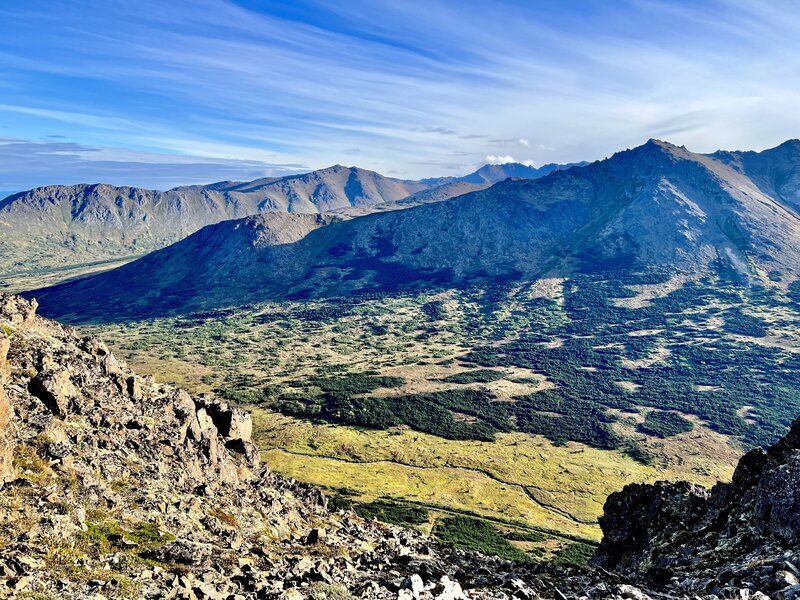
(742, 534)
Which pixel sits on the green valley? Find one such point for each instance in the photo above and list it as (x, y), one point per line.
(524, 404)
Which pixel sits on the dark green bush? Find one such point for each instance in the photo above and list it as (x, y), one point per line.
(389, 511)
(664, 424)
(476, 535)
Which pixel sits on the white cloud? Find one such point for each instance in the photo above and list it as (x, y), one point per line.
(524, 142)
(499, 160)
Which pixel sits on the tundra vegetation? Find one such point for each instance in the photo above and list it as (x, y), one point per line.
(522, 405)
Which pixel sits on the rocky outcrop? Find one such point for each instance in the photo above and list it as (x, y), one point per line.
(739, 535)
(17, 311)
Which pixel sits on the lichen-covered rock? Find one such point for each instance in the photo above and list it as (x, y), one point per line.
(55, 389)
(16, 310)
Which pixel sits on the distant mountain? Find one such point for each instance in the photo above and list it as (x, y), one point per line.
(444, 191)
(55, 232)
(320, 191)
(657, 206)
(491, 174)
(444, 188)
(61, 231)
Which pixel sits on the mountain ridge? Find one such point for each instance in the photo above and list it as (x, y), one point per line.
(51, 229)
(657, 206)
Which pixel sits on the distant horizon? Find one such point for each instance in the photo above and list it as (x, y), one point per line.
(4, 194)
(203, 181)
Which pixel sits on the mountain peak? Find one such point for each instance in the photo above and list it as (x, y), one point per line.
(654, 148)
(332, 169)
(791, 145)
(664, 145)
(661, 143)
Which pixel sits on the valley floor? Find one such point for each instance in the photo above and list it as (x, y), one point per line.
(527, 452)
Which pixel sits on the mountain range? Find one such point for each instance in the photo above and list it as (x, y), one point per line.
(59, 228)
(655, 207)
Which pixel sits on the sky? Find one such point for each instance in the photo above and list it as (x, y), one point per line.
(170, 92)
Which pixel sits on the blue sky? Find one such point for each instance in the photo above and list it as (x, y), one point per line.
(160, 93)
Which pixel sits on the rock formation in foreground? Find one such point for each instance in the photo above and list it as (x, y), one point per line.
(739, 535)
(124, 488)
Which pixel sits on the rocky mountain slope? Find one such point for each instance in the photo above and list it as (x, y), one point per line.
(775, 171)
(118, 487)
(63, 231)
(54, 227)
(742, 534)
(657, 206)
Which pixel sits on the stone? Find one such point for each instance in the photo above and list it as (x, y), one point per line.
(134, 388)
(316, 535)
(791, 592)
(55, 389)
(629, 591)
(447, 589)
(521, 589)
(791, 567)
(18, 584)
(786, 578)
(16, 310)
(414, 584)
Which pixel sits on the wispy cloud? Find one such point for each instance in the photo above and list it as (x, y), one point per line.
(50, 162)
(416, 87)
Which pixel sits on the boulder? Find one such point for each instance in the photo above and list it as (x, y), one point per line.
(635, 516)
(17, 310)
(231, 422)
(55, 389)
(777, 506)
